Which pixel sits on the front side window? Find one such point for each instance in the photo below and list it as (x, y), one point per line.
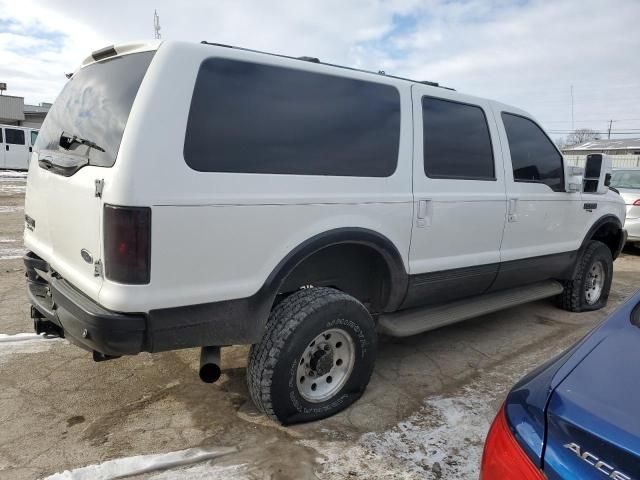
(457, 143)
(14, 136)
(255, 118)
(34, 136)
(533, 156)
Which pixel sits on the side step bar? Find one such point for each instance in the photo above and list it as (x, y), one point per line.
(418, 320)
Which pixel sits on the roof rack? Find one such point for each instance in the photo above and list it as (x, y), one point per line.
(316, 60)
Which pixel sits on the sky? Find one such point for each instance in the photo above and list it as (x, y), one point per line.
(528, 53)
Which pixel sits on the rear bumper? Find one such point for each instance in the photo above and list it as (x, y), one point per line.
(95, 328)
(84, 322)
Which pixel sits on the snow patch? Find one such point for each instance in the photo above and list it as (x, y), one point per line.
(11, 253)
(443, 440)
(24, 343)
(10, 208)
(207, 471)
(129, 466)
(22, 338)
(12, 174)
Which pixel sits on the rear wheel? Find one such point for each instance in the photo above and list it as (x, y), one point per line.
(589, 290)
(315, 358)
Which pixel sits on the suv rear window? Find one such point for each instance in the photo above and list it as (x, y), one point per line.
(255, 118)
(95, 105)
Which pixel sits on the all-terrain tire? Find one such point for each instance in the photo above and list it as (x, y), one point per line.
(272, 372)
(574, 296)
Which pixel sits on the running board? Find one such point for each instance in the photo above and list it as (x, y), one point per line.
(418, 320)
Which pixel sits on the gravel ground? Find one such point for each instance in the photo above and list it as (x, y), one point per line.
(424, 415)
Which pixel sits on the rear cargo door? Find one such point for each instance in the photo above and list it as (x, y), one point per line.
(68, 215)
(74, 152)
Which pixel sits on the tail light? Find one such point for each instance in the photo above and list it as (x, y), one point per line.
(127, 244)
(637, 203)
(503, 458)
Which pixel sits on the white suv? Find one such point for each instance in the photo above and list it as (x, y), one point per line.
(199, 195)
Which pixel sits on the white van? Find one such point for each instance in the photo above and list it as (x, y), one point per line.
(16, 145)
(200, 195)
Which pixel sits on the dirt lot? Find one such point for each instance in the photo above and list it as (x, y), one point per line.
(425, 414)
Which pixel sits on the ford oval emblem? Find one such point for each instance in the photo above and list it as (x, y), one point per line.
(86, 255)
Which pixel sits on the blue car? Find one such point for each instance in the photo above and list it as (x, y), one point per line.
(577, 416)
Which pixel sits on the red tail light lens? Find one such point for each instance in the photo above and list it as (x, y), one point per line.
(637, 203)
(127, 244)
(503, 458)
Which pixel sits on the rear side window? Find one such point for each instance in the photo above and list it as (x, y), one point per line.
(1, 136)
(457, 143)
(95, 105)
(14, 137)
(533, 156)
(253, 118)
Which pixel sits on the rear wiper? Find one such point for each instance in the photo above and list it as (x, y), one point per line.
(68, 140)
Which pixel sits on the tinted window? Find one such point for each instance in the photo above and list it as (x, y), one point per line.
(14, 137)
(253, 118)
(533, 155)
(457, 143)
(95, 105)
(1, 135)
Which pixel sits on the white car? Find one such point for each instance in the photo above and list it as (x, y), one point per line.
(16, 145)
(200, 195)
(627, 182)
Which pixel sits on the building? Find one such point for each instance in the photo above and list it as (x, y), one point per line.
(622, 146)
(13, 111)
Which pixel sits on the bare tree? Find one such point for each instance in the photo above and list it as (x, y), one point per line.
(582, 135)
(560, 142)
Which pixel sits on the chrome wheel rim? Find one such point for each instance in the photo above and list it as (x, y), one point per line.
(594, 283)
(325, 365)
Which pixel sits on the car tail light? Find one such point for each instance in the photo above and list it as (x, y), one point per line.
(637, 203)
(503, 458)
(127, 244)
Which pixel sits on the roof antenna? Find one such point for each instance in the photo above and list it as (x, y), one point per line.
(156, 25)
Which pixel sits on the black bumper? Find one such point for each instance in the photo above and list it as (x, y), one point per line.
(84, 322)
(92, 327)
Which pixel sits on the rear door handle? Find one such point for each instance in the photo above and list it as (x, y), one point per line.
(6, 147)
(512, 213)
(424, 213)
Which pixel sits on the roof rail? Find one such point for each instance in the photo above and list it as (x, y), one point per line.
(316, 60)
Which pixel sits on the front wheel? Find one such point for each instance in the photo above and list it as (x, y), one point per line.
(315, 358)
(589, 290)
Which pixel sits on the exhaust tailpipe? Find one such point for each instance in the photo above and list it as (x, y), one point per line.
(210, 364)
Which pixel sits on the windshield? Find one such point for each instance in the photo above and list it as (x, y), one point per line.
(626, 179)
(94, 105)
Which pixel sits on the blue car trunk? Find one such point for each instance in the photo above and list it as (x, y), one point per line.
(593, 414)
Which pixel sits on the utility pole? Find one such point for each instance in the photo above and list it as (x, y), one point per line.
(572, 126)
(609, 134)
(156, 24)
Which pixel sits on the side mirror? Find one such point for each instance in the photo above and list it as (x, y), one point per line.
(597, 173)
